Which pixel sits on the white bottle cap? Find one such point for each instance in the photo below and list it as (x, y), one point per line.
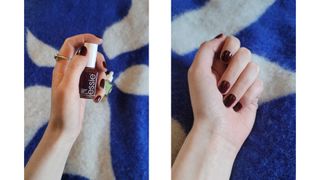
(110, 76)
(92, 54)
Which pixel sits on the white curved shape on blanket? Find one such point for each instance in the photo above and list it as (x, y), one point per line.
(90, 155)
(130, 33)
(134, 80)
(178, 136)
(37, 110)
(41, 54)
(192, 28)
(277, 81)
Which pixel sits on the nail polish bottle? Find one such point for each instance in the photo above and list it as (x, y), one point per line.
(89, 76)
(108, 83)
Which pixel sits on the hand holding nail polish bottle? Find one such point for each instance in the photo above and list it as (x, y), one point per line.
(89, 76)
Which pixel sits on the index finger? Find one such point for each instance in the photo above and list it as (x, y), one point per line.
(207, 51)
(73, 43)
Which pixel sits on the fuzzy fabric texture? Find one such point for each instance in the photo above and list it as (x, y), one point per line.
(113, 143)
(267, 28)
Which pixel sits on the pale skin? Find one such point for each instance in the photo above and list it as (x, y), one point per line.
(220, 127)
(67, 110)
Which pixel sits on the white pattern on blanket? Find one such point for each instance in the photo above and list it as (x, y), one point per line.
(194, 27)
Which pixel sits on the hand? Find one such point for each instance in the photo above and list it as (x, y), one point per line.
(67, 108)
(224, 89)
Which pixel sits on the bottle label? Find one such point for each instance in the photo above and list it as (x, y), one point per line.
(88, 81)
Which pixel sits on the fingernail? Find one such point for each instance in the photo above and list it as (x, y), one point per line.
(97, 99)
(218, 36)
(104, 64)
(83, 51)
(237, 107)
(226, 55)
(108, 72)
(229, 100)
(224, 86)
(102, 83)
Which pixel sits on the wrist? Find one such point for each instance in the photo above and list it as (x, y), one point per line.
(214, 137)
(57, 131)
(204, 155)
(209, 153)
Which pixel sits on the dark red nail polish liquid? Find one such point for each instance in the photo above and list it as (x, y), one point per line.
(89, 76)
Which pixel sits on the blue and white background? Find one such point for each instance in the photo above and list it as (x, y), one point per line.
(114, 140)
(267, 28)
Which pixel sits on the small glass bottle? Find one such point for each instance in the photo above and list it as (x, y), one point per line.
(108, 83)
(89, 76)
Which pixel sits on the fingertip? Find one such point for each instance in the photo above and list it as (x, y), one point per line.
(100, 40)
(216, 44)
(237, 107)
(218, 39)
(91, 38)
(218, 36)
(99, 96)
(97, 99)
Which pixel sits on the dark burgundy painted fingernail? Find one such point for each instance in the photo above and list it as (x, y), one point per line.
(83, 51)
(237, 107)
(97, 99)
(224, 86)
(229, 100)
(218, 36)
(102, 83)
(226, 55)
(104, 64)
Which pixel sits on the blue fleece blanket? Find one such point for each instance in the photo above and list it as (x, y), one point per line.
(114, 140)
(268, 29)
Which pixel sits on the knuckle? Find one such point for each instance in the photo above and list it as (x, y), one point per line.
(204, 45)
(73, 67)
(67, 40)
(246, 81)
(260, 83)
(76, 66)
(87, 34)
(237, 41)
(100, 56)
(234, 39)
(61, 92)
(255, 67)
(245, 51)
(192, 72)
